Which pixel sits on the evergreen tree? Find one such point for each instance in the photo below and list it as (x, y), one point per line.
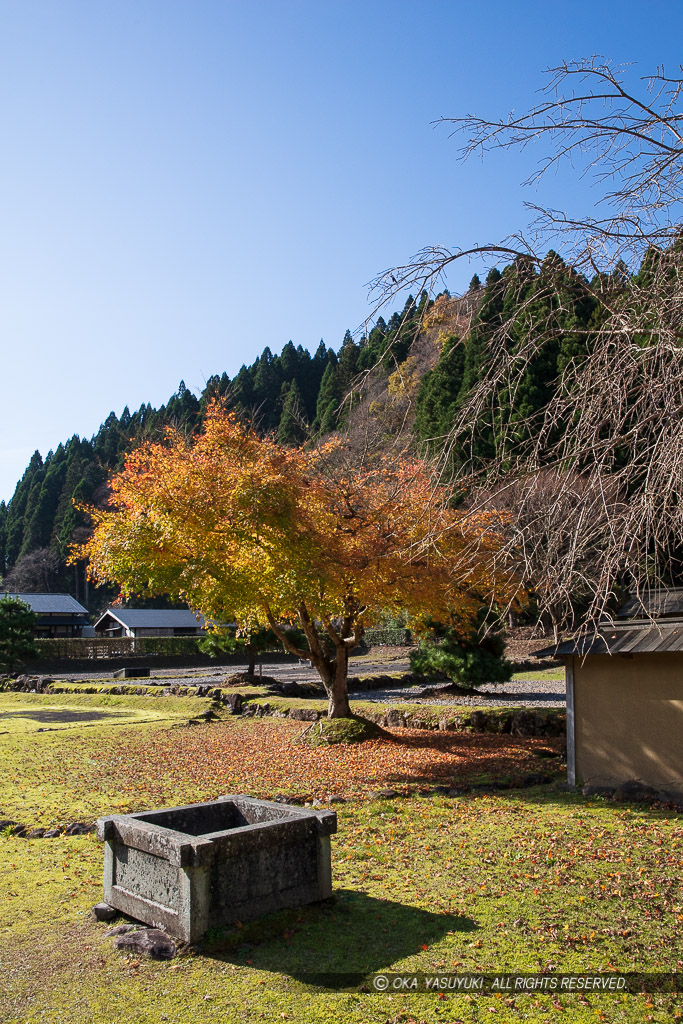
(182, 409)
(243, 389)
(347, 369)
(374, 346)
(41, 509)
(17, 631)
(329, 398)
(439, 392)
(466, 656)
(289, 362)
(16, 509)
(3, 538)
(292, 427)
(268, 382)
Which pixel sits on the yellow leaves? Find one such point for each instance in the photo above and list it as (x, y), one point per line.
(404, 381)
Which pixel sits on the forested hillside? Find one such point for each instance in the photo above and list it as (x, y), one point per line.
(411, 376)
(294, 394)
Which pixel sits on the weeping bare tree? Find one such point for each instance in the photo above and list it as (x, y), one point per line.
(596, 478)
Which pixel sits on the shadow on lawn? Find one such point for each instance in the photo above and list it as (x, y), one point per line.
(460, 760)
(336, 943)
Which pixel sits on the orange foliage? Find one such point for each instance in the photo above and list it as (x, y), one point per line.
(241, 527)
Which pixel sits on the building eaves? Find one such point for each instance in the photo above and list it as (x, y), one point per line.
(645, 637)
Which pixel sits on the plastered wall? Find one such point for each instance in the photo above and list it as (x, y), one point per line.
(628, 719)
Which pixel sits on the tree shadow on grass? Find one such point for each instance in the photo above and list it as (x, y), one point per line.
(458, 760)
(335, 943)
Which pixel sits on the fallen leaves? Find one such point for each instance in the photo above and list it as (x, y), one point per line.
(262, 758)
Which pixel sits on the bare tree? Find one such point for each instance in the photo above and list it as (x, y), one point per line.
(38, 571)
(609, 442)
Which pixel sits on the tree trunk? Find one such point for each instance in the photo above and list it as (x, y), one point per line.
(338, 687)
(251, 651)
(333, 672)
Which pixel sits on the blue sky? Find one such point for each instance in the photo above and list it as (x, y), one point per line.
(183, 183)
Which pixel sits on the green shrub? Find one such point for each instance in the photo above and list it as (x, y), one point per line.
(477, 657)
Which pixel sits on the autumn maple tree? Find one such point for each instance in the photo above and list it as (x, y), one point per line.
(245, 529)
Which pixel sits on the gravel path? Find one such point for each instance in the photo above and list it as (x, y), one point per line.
(546, 694)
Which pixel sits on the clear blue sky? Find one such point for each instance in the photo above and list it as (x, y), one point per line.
(183, 182)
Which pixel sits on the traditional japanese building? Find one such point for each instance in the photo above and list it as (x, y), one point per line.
(149, 622)
(59, 615)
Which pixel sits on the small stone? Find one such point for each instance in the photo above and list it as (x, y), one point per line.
(234, 702)
(304, 714)
(149, 942)
(334, 799)
(103, 912)
(290, 690)
(382, 794)
(523, 724)
(36, 833)
(78, 828)
(121, 929)
(440, 790)
(479, 721)
(51, 833)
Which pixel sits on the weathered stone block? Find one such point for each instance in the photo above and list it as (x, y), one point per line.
(131, 673)
(187, 869)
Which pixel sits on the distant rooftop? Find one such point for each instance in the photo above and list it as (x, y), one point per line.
(52, 604)
(151, 618)
(656, 604)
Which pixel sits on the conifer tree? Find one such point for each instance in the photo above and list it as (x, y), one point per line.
(329, 398)
(3, 537)
(16, 509)
(17, 630)
(243, 389)
(292, 427)
(439, 392)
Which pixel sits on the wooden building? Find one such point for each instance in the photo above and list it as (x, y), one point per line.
(59, 615)
(149, 622)
(625, 698)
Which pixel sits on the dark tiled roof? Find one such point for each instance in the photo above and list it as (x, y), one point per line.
(155, 618)
(656, 603)
(624, 638)
(52, 604)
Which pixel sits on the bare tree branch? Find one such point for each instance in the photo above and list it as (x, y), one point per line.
(593, 483)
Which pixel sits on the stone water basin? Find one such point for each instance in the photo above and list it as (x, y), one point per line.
(201, 866)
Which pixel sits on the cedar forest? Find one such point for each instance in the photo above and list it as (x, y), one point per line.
(408, 376)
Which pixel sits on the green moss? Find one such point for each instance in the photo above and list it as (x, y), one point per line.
(341, 730)
(505, 883)
(499, 882)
